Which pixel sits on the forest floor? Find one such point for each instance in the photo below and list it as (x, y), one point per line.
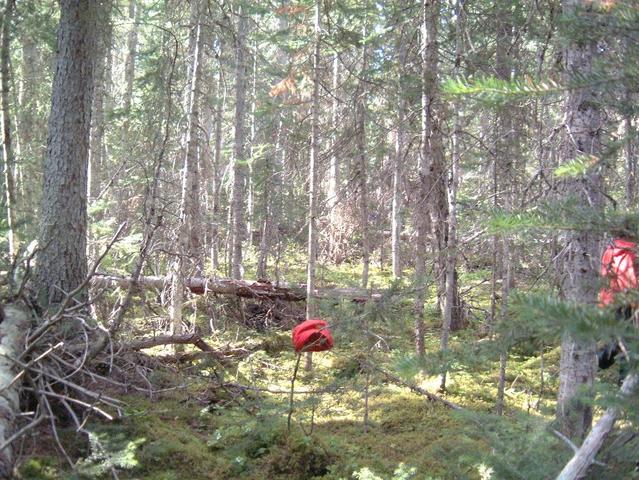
(184, 426)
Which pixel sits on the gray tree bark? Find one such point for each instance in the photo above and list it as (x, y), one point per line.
(504, 174)
(398, 163)
(238, 226)
(217, 161)
(61, 261)
(7, 142)
(312, 307)
(97, 142)
(362, 166)
(453, 184)
(189, 241)
(583, 129)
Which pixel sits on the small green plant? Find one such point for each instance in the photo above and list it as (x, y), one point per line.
(108, 453)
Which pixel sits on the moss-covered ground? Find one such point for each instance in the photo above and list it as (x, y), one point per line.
(193, 429)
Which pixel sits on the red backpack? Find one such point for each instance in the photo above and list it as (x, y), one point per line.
(618, 266)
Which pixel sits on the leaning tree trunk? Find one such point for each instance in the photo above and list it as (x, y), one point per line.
(7, 146)
(583, 125)
(62, 262)
(578, 465)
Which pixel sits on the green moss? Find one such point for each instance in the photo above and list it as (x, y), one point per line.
(42, 468)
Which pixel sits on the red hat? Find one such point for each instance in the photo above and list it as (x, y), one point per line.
(312, 336)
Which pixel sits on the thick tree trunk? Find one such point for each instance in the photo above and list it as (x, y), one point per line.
(14, 326)
(62, 262)
(583, 125)
(7, 142)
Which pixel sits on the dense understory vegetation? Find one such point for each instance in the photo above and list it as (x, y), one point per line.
(183, 425)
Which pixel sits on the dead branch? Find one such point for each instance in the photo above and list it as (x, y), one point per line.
(156, 341)
(398, 381)
(585, 455)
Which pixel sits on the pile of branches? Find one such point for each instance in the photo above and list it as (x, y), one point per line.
(267, 314)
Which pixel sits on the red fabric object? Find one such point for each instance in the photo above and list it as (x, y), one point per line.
(312, 336)
(618, 266)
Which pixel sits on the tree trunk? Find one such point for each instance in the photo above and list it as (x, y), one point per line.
(312, 308)
(451, 258)
(62, 262)
(630, 158)
(129, 63)
(398, 163)
(583, 125)
(334, 178)
(97, 147)
(428, 158)
(15, 324)
(123, 192)
(362, 165)
(217, 161)
(7, 146)
(239, 159)
(505, 174)
(188, 241)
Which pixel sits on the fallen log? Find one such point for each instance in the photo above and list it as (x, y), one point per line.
(240, 288)
(13, 329)
(156, 341)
